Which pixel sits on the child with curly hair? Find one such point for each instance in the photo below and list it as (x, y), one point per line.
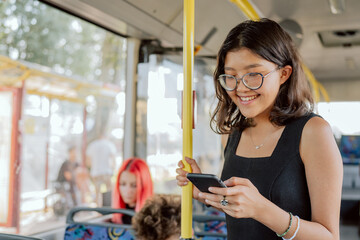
(159, 219)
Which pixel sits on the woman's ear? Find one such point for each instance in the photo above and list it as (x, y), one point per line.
(285, 73)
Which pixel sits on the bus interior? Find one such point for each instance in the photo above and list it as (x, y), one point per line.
(74, 70)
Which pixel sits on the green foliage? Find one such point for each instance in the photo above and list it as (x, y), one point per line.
(35, 32)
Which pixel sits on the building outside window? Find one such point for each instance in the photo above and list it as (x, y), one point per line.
(74, 92)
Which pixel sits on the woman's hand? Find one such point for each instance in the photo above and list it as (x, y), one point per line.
(181, 177)
(244, 200)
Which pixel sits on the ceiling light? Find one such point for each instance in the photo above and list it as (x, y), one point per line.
(337, 6)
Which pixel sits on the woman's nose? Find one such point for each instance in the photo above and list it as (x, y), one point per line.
(127, 190)
(240, 87)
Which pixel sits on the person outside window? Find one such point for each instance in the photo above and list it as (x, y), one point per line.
(100, 159)
(67, 177)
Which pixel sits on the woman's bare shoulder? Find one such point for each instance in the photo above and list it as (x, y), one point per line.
(318, 142)
(316, 127)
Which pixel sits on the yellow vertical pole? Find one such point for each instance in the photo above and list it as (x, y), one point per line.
(187, 118)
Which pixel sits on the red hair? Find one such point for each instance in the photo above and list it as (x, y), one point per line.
(144, 185)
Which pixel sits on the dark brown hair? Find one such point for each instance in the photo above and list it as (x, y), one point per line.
(268, 40)
(159, 219)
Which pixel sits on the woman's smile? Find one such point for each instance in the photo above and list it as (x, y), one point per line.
(248, 99)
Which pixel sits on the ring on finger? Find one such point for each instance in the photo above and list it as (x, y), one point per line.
(224, 202)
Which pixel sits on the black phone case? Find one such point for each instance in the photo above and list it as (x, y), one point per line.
(204, 181)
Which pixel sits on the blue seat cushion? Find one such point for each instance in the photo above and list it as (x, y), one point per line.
(84, 232)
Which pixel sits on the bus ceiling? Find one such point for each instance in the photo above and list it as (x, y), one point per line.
(162, 20)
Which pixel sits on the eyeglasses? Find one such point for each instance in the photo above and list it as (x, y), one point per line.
(252, 81)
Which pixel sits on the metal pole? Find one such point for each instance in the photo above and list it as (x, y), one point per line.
(247, 9)
(188, 64)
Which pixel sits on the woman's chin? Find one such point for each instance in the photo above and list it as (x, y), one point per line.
(132, 204)
(248, 114)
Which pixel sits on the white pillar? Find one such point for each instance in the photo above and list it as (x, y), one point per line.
(133, 46)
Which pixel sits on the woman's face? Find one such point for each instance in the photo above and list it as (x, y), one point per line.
(253, 103)
(127, 188)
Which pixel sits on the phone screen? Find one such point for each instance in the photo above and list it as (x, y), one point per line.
(204, 181)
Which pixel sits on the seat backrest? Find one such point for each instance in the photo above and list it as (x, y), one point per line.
(4, 236)
(98, 230)
(213, 228)
(86, 231)
(106, 198)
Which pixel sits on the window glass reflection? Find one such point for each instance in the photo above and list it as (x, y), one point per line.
(159, 133)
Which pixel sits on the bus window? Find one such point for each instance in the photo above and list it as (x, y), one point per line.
(159, 133)
(75, 94)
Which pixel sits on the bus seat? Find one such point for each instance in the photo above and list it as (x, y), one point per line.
(106, 198)
(96, 229)
(214, 226)
(4, 236)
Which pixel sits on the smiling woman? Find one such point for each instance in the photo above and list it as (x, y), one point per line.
(274, 146)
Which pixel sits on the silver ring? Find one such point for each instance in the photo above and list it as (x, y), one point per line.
(224, 201)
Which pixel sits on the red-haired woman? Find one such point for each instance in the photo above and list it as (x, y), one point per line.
(133, 186)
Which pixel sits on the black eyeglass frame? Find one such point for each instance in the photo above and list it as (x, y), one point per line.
(242, 79)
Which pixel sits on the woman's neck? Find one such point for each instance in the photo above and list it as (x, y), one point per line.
(263, 127)
(262, 123)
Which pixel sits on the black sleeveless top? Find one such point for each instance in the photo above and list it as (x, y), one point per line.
(280, 178)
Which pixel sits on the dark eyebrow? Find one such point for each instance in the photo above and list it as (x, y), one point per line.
(255, 65)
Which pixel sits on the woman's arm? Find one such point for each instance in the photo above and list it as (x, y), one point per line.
(323, 168)
(324, 174)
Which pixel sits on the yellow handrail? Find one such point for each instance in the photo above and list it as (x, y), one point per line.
(247, 9)
(324, 92)
(317, 87)
(188, 64)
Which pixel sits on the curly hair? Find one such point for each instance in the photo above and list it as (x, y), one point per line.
(159, 219)
(268, 40)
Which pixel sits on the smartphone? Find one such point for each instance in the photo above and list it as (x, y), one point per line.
(204, 181)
